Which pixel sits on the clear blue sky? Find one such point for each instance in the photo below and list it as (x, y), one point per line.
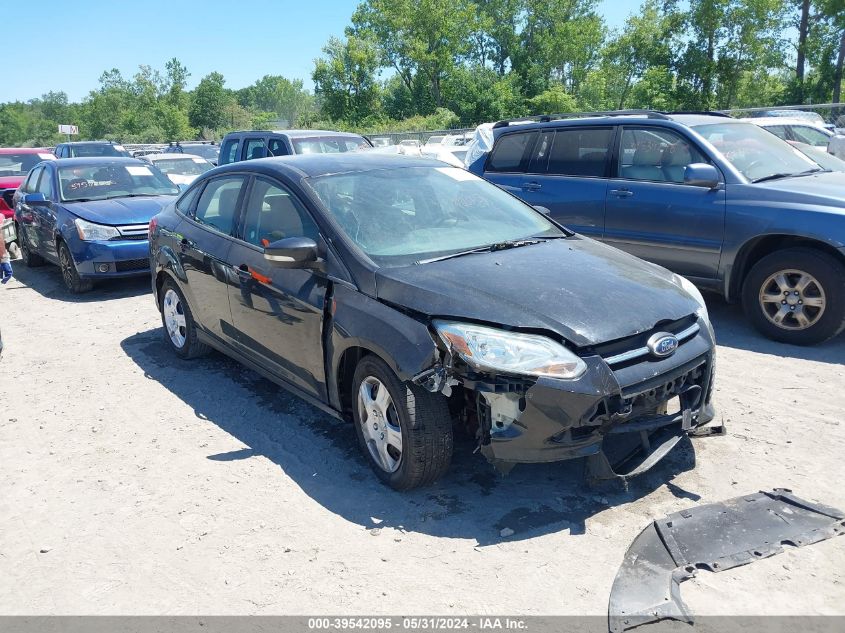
(69, 44)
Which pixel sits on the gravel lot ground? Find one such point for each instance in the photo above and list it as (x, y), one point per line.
(134, 483)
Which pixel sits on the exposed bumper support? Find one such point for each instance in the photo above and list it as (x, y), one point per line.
(714, 537)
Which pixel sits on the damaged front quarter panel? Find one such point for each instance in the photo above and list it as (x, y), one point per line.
(713, 537)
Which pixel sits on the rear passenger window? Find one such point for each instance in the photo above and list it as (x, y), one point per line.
(228, 152)
(218, 203)
(273, 213)
(580, 152)
(510, 150)
(186, 202)
(277, 147)
(655, 155)
(254, 149)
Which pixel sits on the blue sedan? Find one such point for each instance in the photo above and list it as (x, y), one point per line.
(90, 216)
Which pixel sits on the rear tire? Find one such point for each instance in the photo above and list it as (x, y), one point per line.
(73, 282)
(796, 296)
(414, 418)
(180, 329)
(29, 259)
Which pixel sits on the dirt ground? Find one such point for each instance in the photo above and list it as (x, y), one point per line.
(135, 483)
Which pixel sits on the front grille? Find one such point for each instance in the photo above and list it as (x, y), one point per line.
(132, 264)
(647, 396)
(132, 232)
(630, 350)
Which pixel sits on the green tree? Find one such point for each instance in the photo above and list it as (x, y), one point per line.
(209, 103)
(419, 39)
(345, 79)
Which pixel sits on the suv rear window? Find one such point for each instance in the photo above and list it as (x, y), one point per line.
(509, 151)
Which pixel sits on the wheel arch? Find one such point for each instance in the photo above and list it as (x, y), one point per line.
(758, 247)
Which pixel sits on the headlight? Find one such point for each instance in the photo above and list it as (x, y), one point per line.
(90, 232)
(498, 350)
(687, 285)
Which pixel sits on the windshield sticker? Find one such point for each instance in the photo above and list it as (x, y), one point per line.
(119, 148)
(199, 160)
(85, 184)
(455, 173)
(139, 170)
(46, 156)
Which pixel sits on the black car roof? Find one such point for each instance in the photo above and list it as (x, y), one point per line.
(96, 160)
(313, 165)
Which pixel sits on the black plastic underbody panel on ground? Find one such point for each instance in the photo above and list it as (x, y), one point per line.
(714, 537)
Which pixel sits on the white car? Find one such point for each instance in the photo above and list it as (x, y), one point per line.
(181, 169)
(801, 130)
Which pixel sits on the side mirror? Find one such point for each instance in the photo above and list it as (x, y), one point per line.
(35, 200)
(543, 210)
(701, 175)
(181, 187)
(292, 252)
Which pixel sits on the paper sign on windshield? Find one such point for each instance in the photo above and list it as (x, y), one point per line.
(139, 170)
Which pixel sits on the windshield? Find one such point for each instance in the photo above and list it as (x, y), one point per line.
(403, 215)
(208, 152)
(183, 166)
(112, 180)
(97, 149)
(20, 164)
(756, 153)
(328, 144)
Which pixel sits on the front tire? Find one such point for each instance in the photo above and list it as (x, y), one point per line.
(29, 259)
(404, 430)
(796, 296)
(73, 282)
(180, 329)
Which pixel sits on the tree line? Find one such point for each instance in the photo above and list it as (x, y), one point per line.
(432, 64)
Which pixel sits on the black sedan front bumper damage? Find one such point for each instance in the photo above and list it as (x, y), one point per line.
(714, 537)
(522, 420)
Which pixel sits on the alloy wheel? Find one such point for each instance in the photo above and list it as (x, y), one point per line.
(174, 318)
(792, 299)
(380, 423)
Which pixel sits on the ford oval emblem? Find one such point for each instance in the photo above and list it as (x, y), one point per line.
(662, 344)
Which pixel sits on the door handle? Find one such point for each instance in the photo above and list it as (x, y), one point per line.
(531, 186)
(622, 193)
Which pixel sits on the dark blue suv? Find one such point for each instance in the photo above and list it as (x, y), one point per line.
(720, 201)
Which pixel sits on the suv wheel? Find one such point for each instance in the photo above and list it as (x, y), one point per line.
(70, 275)
(796, 296)
(404, 430)
(30, 259)
(180, 329)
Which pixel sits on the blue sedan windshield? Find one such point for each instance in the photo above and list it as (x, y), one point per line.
(101, 181)
(405, 215)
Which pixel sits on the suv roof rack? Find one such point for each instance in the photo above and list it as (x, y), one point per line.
(702, 112)
(545, 118)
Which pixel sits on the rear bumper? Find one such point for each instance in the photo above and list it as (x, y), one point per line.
(112, 259)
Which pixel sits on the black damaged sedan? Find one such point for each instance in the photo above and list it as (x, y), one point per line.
(413, 299)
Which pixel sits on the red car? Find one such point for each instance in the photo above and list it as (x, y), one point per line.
(15, 163)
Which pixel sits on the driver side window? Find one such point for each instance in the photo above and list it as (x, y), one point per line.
(656, 155)
(273, 213)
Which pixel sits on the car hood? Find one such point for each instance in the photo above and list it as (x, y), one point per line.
(584, 291)
(118, 211)
(827, 188)
(10, 182)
